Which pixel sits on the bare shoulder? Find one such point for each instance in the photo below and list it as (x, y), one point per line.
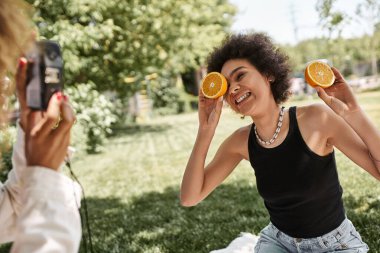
(318, 120)
(241, 134)
(316, 115)
(237, 142)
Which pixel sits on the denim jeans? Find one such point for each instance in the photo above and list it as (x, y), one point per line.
(344, 239)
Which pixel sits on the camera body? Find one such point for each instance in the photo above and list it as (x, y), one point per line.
(44, 75)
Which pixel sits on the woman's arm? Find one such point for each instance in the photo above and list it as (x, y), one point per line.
(9, 197)
(354, 134)
(49, 220)
(199, 181)
(43, 202)
(367, 131)
(10, 192)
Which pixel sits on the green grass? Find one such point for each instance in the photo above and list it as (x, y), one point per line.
(132, 190)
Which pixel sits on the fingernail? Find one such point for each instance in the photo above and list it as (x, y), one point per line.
(22, 62)
(66, 98)
(59, 96)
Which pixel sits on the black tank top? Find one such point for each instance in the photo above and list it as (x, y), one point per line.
(301, 189)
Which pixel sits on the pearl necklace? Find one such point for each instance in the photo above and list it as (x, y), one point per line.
(278, 129)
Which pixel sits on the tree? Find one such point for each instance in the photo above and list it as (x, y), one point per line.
(333, 21)
(369, 14)
(116, 44)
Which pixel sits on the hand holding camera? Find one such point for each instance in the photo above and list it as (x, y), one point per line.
(44, 74)
(43, 105)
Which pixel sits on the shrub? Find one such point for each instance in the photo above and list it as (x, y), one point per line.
(166, 97)
(95, 113)
(7, 138)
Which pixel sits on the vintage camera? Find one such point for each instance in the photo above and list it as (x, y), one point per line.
(44, 75)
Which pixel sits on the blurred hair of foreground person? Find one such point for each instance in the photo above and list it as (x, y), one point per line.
(38, 204)
(290, 149)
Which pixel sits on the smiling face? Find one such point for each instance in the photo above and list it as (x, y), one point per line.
(248, 90)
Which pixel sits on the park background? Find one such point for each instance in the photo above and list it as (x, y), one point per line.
(132, 72)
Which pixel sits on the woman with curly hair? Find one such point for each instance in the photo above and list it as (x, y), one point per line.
(290, 149)
(38, 204)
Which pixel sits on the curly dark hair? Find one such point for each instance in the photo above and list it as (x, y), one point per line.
(259, 50)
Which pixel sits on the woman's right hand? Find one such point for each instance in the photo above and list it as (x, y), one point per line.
(47, 136)
(339, 97)
(209, 111)
(45, 143)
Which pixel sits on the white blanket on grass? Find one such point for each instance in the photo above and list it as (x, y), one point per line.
(245, 243)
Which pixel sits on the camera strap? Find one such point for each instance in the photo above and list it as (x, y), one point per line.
(83, 217)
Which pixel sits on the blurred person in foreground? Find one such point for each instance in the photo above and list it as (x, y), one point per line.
(38, 204)
(291, 150)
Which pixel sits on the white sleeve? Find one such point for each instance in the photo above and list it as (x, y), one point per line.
(10, 192)
(49, 220)
(18, 155)
(7, 213)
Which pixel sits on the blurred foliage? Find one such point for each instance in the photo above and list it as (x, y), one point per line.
(349, 55)
(166, 96)
(346, 54)
(368, 12)
(95, 114)
(330, 19)
(7, 138)
(110, 45)
(115, 44)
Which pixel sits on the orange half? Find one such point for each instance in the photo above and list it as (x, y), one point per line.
(318, 73)
(214, 85)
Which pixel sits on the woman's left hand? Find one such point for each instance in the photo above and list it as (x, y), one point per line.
(339, 96)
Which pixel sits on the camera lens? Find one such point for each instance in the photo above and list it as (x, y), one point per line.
(52, 55)
(51, 50)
